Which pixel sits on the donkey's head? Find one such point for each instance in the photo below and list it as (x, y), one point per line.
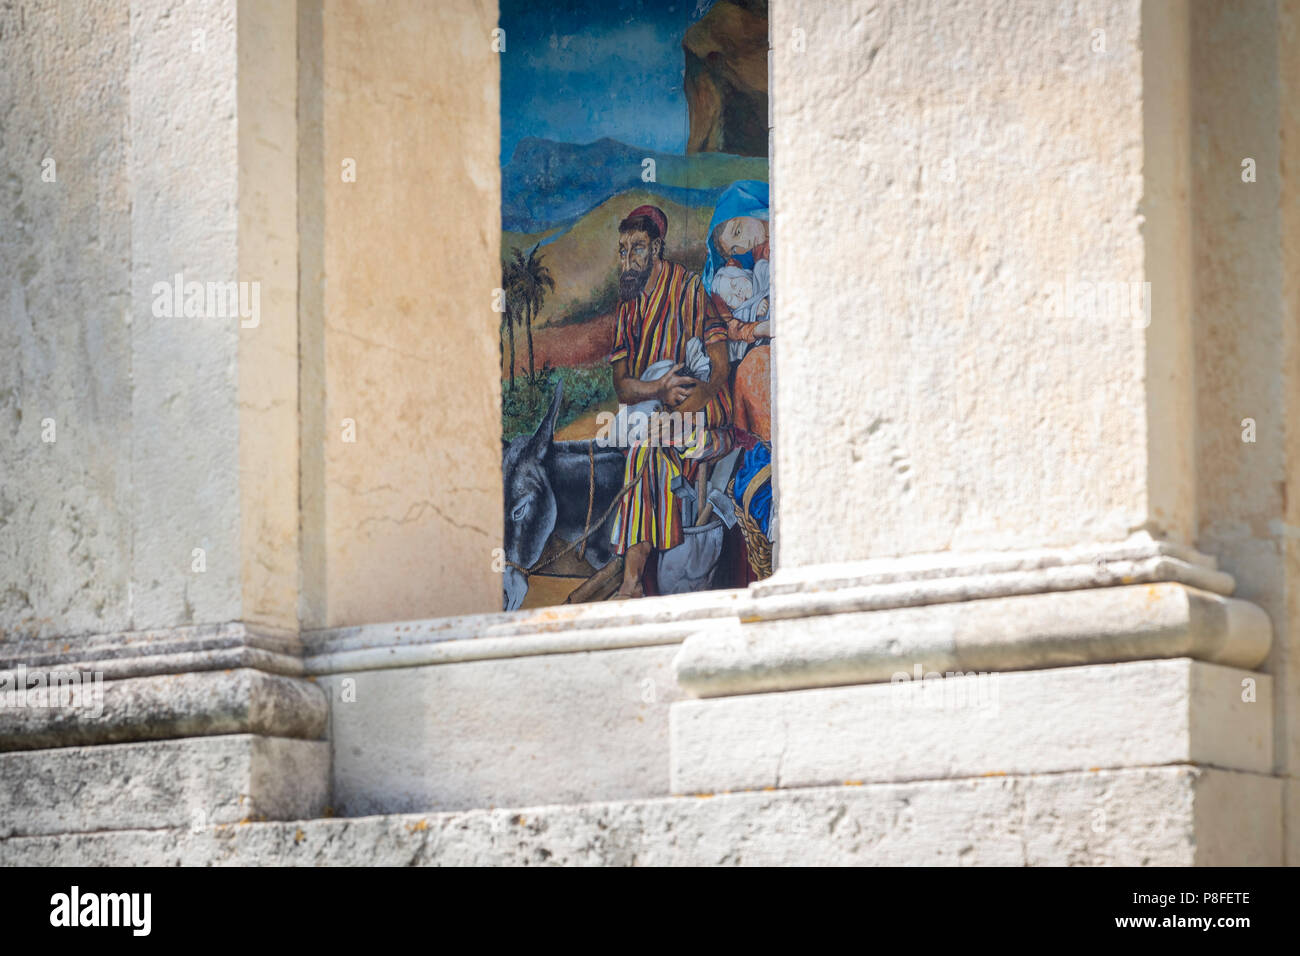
(530, 501)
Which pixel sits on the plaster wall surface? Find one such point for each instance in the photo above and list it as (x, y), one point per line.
(268, 352)
(400, 335)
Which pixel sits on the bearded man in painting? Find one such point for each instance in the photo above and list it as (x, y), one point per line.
(662, 308)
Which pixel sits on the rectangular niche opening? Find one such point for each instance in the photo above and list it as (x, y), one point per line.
(636, 319)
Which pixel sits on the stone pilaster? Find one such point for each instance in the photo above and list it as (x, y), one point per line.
(1246, 246)
(987, 397)
(180, 653)
(963, 195)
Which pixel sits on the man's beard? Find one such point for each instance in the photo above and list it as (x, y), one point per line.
(631, 283)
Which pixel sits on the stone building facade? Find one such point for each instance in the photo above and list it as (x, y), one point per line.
(1033, 607)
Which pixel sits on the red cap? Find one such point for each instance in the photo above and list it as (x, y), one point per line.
(655, 215)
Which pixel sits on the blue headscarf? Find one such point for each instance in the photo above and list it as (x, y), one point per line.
(745, 197)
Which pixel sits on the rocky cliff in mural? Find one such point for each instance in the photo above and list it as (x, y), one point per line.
(726, 79)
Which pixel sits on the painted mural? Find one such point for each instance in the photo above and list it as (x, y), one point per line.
(636, 324)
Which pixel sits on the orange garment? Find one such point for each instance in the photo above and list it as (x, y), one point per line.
(753, 393)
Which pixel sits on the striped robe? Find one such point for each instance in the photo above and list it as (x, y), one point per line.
(656, 325)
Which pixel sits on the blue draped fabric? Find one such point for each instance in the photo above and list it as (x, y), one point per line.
(760, 506)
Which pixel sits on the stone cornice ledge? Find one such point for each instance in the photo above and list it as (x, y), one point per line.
(563, 629)
(827, 591)
(914, 580)
(202, 703)
(1020, 632)
(164, 650)
(880, 584)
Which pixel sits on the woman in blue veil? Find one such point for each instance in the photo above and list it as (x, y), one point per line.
(745, 197)
(737, 267)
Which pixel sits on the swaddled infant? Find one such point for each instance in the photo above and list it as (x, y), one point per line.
(747, 294)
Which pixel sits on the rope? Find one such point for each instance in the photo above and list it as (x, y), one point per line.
(591, 497)
(632, 482)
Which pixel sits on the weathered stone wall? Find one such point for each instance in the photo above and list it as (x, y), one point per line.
(183, 172)
(173, 126)
(175, 434)
(66, 515)
(1155, 816)
(940, 166)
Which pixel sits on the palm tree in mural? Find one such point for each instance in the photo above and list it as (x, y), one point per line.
(533, 280)
(510, 286)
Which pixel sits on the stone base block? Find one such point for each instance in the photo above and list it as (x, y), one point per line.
(193, 782)
(1157, 816)
(1107, 716)
(554, 728)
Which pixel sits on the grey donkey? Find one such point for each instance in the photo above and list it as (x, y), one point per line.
(546, 488)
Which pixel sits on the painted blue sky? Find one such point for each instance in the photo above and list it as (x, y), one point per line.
(579, 70)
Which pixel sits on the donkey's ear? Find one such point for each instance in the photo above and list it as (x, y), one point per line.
(545, 434)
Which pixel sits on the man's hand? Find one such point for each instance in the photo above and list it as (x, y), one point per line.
(719, 369)
(674, 388)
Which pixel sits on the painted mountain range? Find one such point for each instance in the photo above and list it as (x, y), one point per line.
(548, 184)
